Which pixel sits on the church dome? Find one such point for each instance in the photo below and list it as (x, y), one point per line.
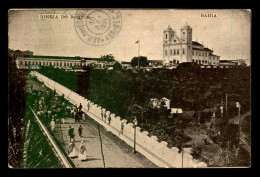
(169, 28)
(186, 26)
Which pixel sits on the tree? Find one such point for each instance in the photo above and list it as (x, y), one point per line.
(142, 61)
(117, 66)
(109, 57)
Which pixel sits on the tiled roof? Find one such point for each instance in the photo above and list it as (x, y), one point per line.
(196, 43)
(207, 49)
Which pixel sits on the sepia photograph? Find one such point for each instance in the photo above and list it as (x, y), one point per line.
(129, 88)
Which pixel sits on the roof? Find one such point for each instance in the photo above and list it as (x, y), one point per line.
(207, 49)
(226, 61)
(54, 57)
(213, 55)
(193, 48)
(126, 62)
(155, 61)
(196, 43)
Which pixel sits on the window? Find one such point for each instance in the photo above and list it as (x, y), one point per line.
(21, 62)
(43, 63)
(36, 62)
(174, 52)
(189, 47)
(174, 40)
(171, 52)
(177, 61)
(183, 51)
(166, 36)
(183, 32)
(178, 51)
(206, 61)
(174, 61)
(202, 61)
(165, 52)
(33, 63)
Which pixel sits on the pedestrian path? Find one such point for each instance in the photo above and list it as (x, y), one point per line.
(117, 154)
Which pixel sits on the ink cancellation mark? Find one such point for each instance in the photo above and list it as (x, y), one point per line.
(98, 27)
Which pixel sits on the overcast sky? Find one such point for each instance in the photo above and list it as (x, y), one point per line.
(228, 34)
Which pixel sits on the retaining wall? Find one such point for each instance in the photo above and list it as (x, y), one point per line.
(157, 152)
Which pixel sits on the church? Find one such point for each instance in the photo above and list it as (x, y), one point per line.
(179, 49)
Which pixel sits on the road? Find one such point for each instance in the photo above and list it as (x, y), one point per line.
(117, 154)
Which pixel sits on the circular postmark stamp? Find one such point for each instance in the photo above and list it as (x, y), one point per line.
(97, 27)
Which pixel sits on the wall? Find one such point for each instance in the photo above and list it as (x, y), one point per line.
(157, 152)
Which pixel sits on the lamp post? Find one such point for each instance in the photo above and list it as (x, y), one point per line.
(238, 116)
(227, 100)
(135, 124)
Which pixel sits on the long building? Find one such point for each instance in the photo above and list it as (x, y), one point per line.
(70, 63)
(179, 49)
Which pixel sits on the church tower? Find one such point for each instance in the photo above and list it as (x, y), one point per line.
(168, 35)
(186, 40)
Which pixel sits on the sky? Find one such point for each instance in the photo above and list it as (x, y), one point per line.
(229, 34)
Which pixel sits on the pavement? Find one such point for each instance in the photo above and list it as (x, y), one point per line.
(117, 154)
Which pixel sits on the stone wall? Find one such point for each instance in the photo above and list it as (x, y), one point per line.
(157, 152)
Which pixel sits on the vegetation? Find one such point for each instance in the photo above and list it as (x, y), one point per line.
(16, 106)
(127, 93)
(142, 61)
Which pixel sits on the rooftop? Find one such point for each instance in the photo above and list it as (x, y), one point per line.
(196, 43)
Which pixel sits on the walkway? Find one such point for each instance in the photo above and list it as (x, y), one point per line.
(117, 154)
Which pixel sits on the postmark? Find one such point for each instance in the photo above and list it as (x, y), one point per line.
(98, 27)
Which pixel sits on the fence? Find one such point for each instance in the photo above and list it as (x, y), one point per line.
(40, 148)
(157, 152)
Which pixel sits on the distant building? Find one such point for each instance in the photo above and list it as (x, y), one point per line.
(155, 63)
(240, 62)
(227, 64)
(126, 65)
(69, 63)
(19, 53)
(182, 49)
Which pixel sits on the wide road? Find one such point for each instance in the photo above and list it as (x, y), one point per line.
(117, 154)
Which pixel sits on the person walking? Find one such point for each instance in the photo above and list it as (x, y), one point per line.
(52, 125)
(80, 107)
(109, 119)
(105, 116)
(82, 151)
(88, 106)
(80, 130)
(71, 133)
(72, 152)
(102, 114)
(122, 126)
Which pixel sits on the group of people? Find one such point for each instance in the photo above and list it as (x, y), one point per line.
(72, 151)
(104, 116)
(50, 107)
(82, 155)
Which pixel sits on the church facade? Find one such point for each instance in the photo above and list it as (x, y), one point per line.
(179, 49)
